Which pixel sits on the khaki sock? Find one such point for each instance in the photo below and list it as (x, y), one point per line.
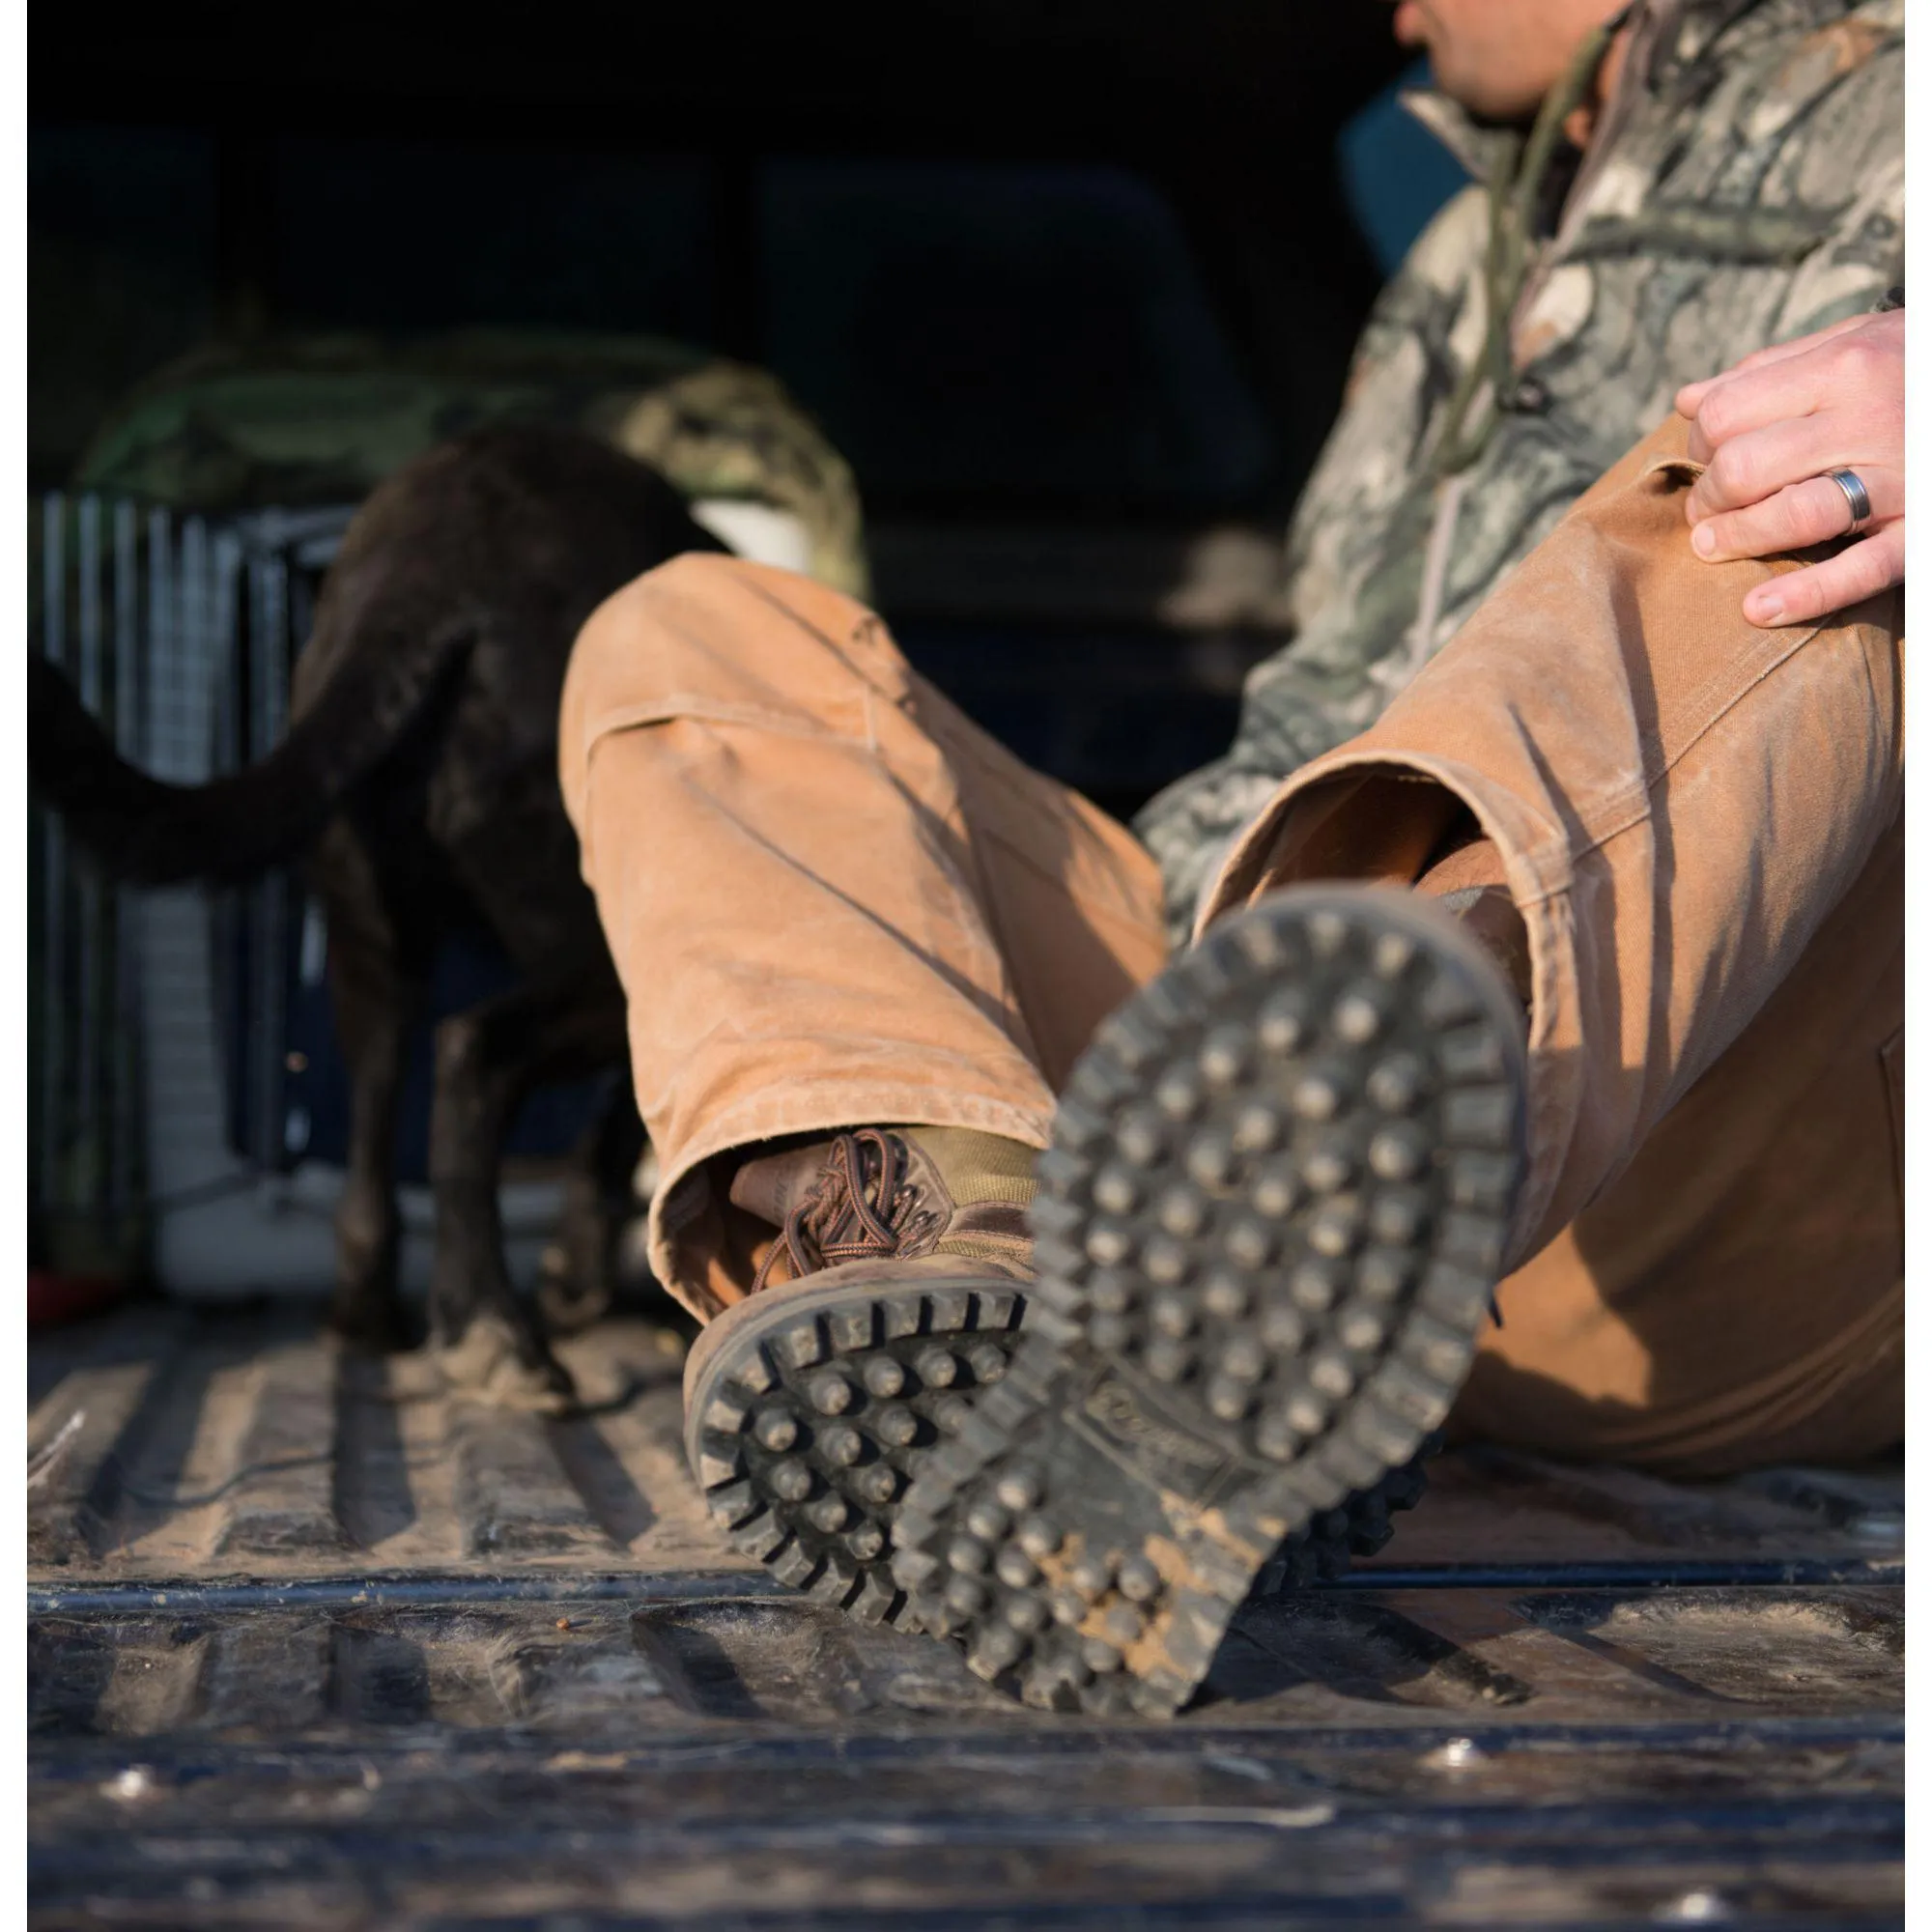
(990, 1180)
(977, 1166)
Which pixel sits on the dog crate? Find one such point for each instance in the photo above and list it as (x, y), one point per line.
(187, 1103)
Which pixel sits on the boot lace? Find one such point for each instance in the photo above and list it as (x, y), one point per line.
(860, 1208)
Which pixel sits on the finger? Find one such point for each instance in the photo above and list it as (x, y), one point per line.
(1862, 571)
(1861, 364)
(1796, 516)
(1757, 464)
(1691, 397)
(1799, 386)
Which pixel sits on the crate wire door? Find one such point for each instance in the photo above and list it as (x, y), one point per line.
(85, 1139)
(158, 1016)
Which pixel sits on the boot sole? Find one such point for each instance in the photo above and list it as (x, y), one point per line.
(1268, 1233)
(814, 1494)
(805, 1429)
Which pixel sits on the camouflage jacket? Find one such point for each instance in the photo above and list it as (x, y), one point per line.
(1745, 184)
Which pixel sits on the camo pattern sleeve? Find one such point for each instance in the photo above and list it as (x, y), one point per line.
(1747, 185)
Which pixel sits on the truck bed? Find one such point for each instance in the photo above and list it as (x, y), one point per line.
(311, 1646)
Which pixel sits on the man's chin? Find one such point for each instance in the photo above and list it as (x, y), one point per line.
(1411, 30)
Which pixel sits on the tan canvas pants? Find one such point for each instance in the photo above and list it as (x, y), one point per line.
(835, 901)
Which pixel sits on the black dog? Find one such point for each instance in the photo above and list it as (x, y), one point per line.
(419, 776)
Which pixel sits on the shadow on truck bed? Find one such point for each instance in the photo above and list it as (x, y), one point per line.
(312, 1647)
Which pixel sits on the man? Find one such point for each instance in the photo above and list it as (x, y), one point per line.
(1619, 1058)
(1742, 184)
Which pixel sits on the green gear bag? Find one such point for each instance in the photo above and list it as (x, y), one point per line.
(304, 420)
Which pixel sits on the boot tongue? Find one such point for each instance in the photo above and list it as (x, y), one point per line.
(772, 1187)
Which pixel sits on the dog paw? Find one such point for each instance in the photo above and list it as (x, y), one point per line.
(489, 1363)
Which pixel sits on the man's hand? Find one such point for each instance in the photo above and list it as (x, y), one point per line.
(1771, 430)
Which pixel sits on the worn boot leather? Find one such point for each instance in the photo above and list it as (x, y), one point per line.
(891, 1300)
(892, 1194)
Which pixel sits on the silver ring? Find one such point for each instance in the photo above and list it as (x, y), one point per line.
(1857, 501)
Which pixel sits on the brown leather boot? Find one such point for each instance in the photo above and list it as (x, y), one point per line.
(894, 1293)
(1268, 1231)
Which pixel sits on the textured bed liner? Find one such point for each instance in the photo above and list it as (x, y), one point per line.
(312, 1646)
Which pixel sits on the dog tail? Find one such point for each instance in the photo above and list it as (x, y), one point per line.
(146, 832)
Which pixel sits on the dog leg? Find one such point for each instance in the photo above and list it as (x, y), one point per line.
(579, 1282)
(376, 989)
(484, 1336)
